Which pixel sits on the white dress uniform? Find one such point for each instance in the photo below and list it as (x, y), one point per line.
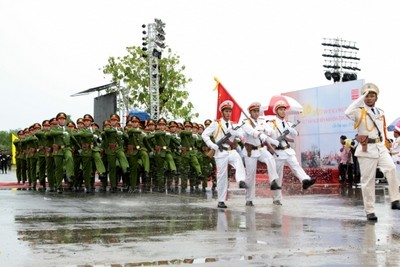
(286, 155)
(252, 130)
(219, 129)
(376, 156)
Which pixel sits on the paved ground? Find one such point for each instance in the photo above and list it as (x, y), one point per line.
(323, 226)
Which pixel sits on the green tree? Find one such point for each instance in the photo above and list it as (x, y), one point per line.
(5, 141)
(132, 70)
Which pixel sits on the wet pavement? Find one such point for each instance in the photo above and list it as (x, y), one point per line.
(322, 226)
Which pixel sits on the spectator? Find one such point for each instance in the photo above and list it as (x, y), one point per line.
(345, 162)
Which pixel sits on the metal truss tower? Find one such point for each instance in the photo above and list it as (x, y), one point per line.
(154, 41)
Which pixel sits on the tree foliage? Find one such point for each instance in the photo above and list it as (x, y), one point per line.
(132, 73)
(5, 141)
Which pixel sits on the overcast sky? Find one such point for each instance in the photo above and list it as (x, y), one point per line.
(51, 49)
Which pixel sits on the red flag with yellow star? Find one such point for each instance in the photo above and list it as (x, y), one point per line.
(223, 95)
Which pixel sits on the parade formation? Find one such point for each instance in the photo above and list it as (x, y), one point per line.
(169, 156)
(62, 155)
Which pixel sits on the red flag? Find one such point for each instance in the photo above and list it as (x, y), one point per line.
(223, 95)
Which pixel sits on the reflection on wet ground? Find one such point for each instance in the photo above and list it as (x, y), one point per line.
(324, 226)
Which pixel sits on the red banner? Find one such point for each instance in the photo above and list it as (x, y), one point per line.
(223, 95)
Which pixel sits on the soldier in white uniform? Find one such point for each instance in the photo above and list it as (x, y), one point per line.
(395, 150)
(286, 154)
(226, 153)
(256, 131)
(372, 152)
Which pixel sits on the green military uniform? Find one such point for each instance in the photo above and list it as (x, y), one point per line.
(175, 146)
(149, 144)
(32, 157)
(85, 137)
(163, 156)
(76, 183)
(50, 165)
(24, 157)
(189, 158)
(41, 164)
(202, 179)
(137, 156)
(113, 147)
(99, 165)
(62, 152)
(18, 155)
(208, 165)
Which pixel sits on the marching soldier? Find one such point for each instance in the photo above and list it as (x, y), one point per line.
(32, 143)
(19, 157)
(164, 162)
(176, 152)
(285, 153)
(197, 130)
(371, 151)
(189, 158)
(50, 164)
(76, 183)
(112, 137)
(62, 152)
(25, 155)
(42, 142)
(98, 165)
(137, 155)
(208, 166)
(90, 153)
(256, 132)
(227, 153)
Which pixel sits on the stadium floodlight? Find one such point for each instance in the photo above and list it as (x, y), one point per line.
(340, 59)
(328, 75)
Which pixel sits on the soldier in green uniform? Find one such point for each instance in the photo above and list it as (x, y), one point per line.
(98, 157)
(76, 183)
(113, 145)
(137, 154)
(89, 152)
(28, 155)
(199, 144)
(103, 145)
(208, 165)
(42, 141)
(32, 143)
(164, 161)
(50, 165)
(176, 152)
(18, 155)
(24, 157)
(150, 129)
(62, 152)
(189, 158)
(98, 165)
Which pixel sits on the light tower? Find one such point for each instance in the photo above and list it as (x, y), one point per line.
(155, 44)
(341, 61)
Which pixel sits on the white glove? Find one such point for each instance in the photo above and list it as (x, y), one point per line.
(119, 132)
(263, 137)
(274, 142)
(214, 146)
(232, 132)
(95, 136)
(65, 133)
(292, 130)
